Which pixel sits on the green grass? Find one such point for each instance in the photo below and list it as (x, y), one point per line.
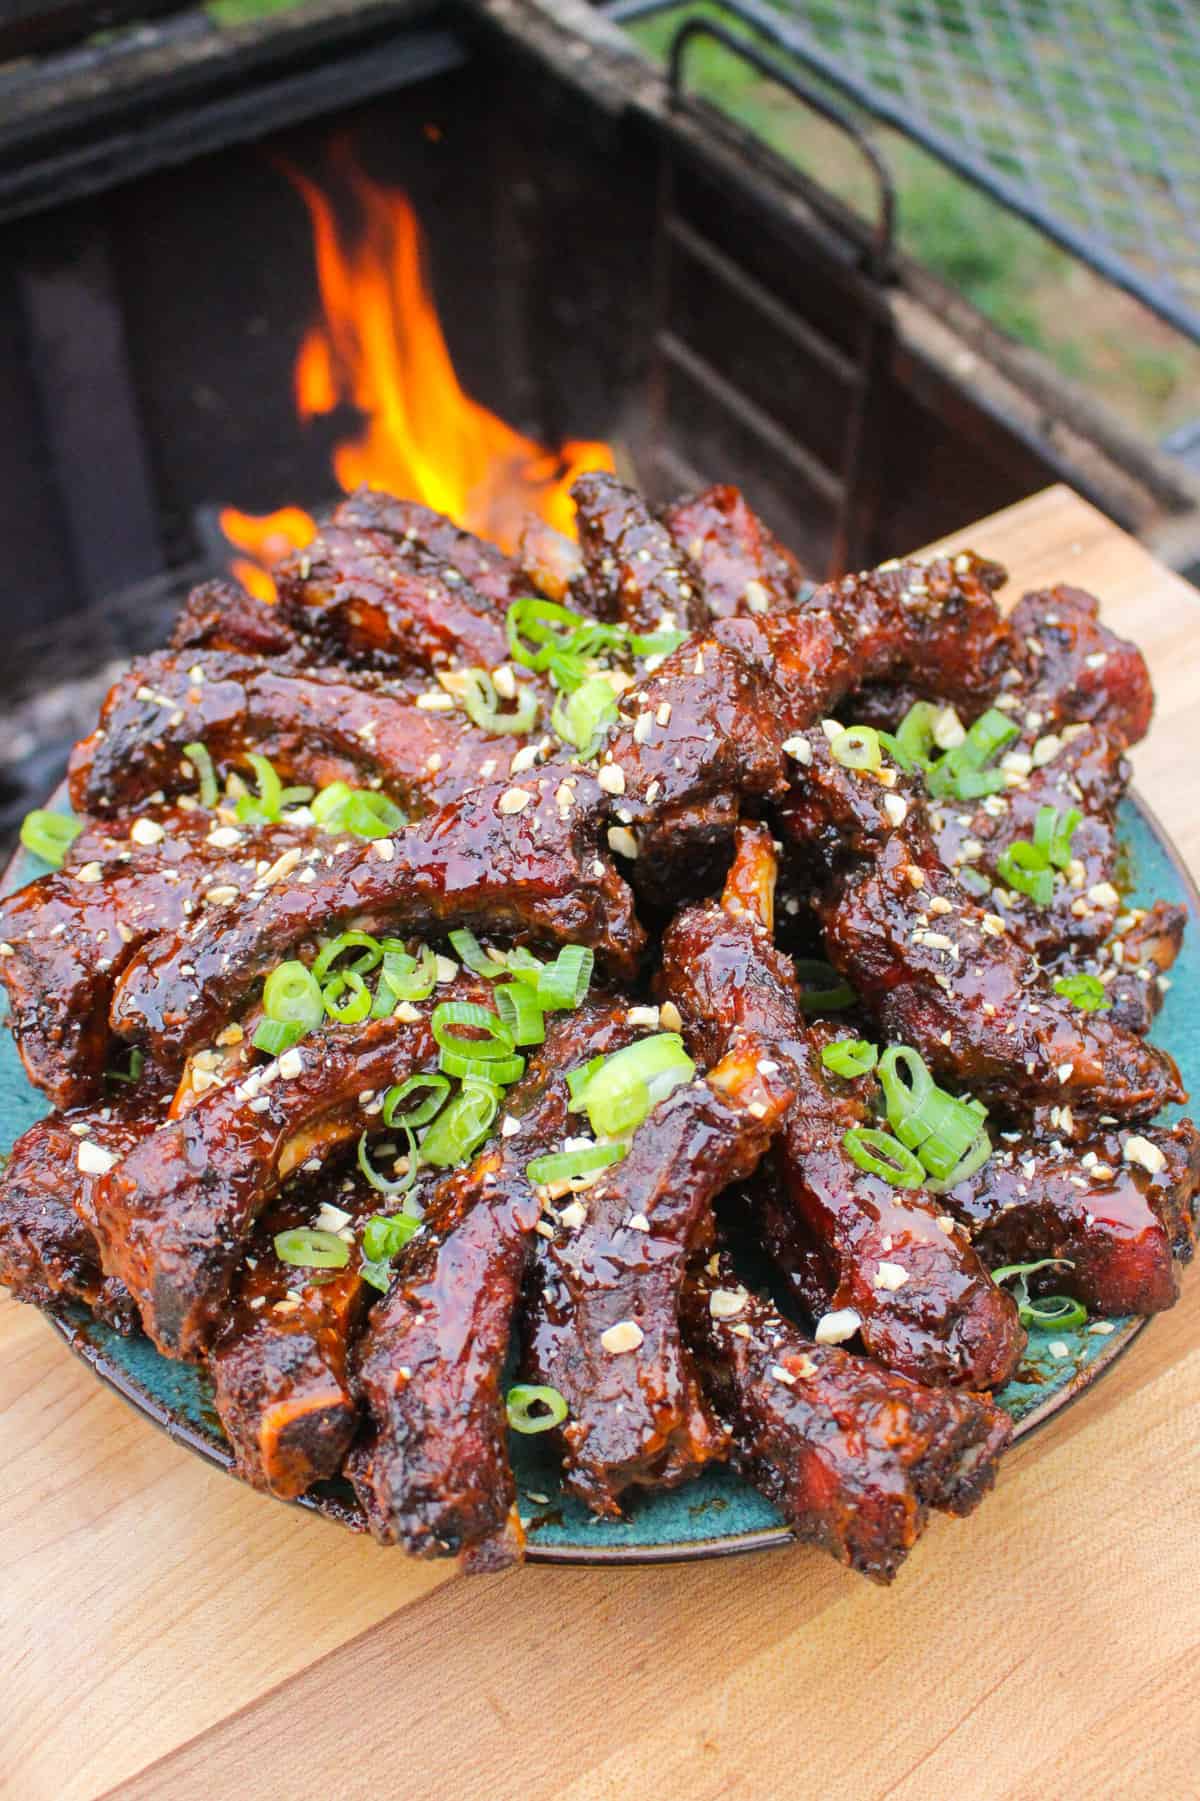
(1024, 283)
(239, 12)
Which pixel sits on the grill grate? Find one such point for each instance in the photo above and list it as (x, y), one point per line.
(1082, 116)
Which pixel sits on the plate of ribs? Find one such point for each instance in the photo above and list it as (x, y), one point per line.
(609, 1051)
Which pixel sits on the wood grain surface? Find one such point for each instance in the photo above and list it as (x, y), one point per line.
(165, 1632)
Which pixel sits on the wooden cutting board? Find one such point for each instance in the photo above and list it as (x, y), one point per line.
(163, 1631)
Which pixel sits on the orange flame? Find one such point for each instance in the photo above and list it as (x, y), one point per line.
(379, 347)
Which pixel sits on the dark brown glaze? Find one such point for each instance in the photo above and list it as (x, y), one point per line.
(943, 1321)
(1088, 773)
(279, 1364)
(933, 622)
(487, 570)
(370, 594)
(317, 726)
(635, 572)
(1134, 963)
(220, 615)
(66, 937)
(432, 1470)
(637, 1416)
(1122, 1227)
(1068, 668)
(853, 1456)
(48, 1249)
(175, 1217)
(967, 997)
(942, 972)
(708, 727)
(743, 566)
(531, 872)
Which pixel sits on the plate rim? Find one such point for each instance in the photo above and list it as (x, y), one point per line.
(119, 1379)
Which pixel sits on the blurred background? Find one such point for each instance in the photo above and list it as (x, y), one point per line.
(888, 266)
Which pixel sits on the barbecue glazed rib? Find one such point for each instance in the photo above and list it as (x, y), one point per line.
(221, 615)
(743, 566)
(174, 1218)
(48, 1248)
(1120, 1210)
(634, 570)
(941, 971)
(370, 593)
(279, 1365)
(853, 1456)
(521, 859)
(68, 936)
(603, 1320)
(432, 1471)
(944, 1321)
(318, 725)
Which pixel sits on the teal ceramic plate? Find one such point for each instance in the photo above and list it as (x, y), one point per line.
(717, 1514)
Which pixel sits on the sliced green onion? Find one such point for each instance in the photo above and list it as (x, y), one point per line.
(49, 835)
(327, 807)
(378, 1274)
(914, 734)
(563, 983)
(198, 756)
(386, 1234)
(348, 941)
(1023, 867)
(1054, 1310)
(403, 977)
(882, 1155)
(1086, 992)
(450, 1017)
(482, 704)
(565, 1166)
(502, 1070)
(137, 1062)
(346, 1012)
(850, 1057)
(946, 1133)
(972, 1159)
(311, 1249)
(1020, 1271)
(896, 751)
(822, 989)
(524, 966)
(655, 644)
(578, 1079)
(520, 1402)
(383, 1184)
(472, 955)
(907, 1083)
(1053, 831)
(963, 772)
(363, 812)
(518, 1007)
(1057, 1312)
(368, 814)
(585, 715)
(292, 996)
(537, 628)
(434, 1087)
(264, 807)
(461, 1126)
(974, 881)
(857, 748)
(628, 1084)
(277, 1035)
